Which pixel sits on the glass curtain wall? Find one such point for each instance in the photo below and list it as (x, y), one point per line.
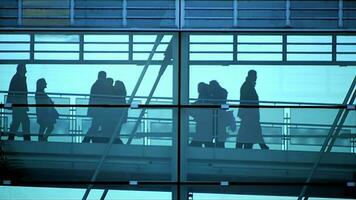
(183, 107)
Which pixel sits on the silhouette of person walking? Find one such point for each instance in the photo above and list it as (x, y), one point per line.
(17, 94)
(250, 131)
(115, 116)
(97, 114)
(203, 118)
(46, 116)
(222, 118)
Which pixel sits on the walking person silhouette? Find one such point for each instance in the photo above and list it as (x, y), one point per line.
(250, 131)
(17, 94)
(46, 116)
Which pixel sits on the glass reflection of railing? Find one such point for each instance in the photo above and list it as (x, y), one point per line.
(283, 127)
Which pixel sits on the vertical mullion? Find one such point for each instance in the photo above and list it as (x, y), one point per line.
(81, 47)
(179, 118)
(284, 47)
(32, 47)
(235, 49)
(235, 14)
(340, 14)
(176, 116)
(130, 47)
(287, 13)
(177, 13)
(124, 13)
(183, 78)
(334, 44)
(181, 13)
(72, 3)
(19, 12)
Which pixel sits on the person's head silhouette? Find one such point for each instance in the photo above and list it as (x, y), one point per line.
(251, 76)
(203, 90)
(102, 75)
(214, 84)
(110, 81)
(21, 69)
(41, 84)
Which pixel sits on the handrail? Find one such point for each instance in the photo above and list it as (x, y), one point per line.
(171, 98)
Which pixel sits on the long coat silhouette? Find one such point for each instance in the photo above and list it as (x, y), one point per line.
(96, 90)
(46, 116)
(17, 94)
(114, 116)
(250, 130)
(97, 114)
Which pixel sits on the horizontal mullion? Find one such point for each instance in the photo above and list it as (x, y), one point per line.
(97, 17)
(260, 52)
(98, 7)
(14, 42)
(138, 51)
(211, 52)
(308, 52)
(172, 106)
(148, 17)
(307, 43)
(8, 7)
(53, 51)
(278, 63)
(106, 43)
(211, 18)
(14, 51)
(260, 43)
(311, 9)
(94, 51)
(351, 44)
(209, 8)
(228, 43)
(261, 18)
(347, 52)
(261, 9)
(314, 18)
(47, 8)
(134, 43)
(149, 8)
(47, 17)
(130, 62)
(8, 17)
(55, 42)
(190, 62)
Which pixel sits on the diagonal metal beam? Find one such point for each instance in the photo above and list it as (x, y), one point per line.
(103, 196)
(346, 112)
(166, 62)
(336, 127)
(143, 73)
(113, 136)
(162, 69)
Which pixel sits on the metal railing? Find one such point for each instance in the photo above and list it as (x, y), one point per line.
(283, 133)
